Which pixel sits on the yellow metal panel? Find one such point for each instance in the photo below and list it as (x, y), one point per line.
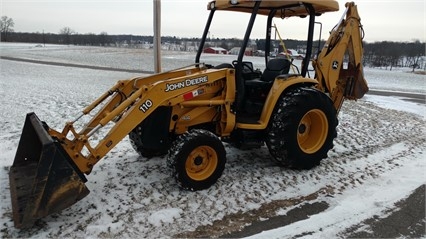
(295, 8)
(277, 89)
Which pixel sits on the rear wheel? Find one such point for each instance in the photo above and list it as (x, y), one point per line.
(197, 159)
(302, 128)
(151, 137)
(137, 143)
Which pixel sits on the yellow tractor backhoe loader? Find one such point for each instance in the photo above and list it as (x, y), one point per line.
(186, 113)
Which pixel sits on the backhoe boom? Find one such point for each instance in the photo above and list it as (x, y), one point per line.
(338, 67)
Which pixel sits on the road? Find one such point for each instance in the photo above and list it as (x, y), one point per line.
(407, 219)
(413, 97)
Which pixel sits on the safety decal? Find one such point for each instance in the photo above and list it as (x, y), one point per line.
(193, 94)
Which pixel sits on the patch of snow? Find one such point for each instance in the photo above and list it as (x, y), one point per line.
(360, 203)
(164, 216)
(397, 103)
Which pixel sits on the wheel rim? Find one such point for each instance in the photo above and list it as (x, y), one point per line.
(312, 131)
(201, 163)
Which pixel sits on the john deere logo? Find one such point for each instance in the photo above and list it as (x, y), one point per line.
(185, 83)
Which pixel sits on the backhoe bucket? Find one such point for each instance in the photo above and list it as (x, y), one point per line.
(43, 179)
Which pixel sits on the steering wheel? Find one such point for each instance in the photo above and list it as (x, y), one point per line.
(246, 65)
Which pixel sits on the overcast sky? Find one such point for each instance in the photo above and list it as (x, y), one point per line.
(391, 20)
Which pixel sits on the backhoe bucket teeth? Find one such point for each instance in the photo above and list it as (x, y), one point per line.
(43, 178)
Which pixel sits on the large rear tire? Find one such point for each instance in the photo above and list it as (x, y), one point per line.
(197, 159)
(302, 128)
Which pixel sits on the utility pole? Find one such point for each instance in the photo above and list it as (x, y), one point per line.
(157, 36)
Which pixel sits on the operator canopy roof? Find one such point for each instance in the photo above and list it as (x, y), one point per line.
(285, 8)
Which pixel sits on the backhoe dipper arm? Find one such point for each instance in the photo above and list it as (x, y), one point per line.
(345, 40)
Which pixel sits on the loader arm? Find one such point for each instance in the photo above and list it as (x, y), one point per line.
(132, 101)
(344, 44)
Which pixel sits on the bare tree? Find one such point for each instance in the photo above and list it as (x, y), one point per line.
(103, 38)
(66, 33)
(6, 24)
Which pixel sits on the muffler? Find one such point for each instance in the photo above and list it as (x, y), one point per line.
(43, 178)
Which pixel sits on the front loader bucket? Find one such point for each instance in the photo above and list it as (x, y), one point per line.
(43, 179)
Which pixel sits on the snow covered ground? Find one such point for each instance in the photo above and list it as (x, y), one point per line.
(378, 158)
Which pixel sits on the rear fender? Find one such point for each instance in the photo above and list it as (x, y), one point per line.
(280, 85)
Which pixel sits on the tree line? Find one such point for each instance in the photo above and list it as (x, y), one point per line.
(384, 54)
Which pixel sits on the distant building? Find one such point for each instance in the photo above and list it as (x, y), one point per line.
(215, 50)
(236, 50)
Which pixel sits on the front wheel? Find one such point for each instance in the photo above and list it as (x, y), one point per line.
(302, 128)
(197, 159)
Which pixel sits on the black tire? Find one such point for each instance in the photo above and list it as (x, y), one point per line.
(136, 141)
(302, 128)
(197, 159)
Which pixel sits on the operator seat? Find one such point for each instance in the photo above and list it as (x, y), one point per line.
(257, 90)
(274, 68)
